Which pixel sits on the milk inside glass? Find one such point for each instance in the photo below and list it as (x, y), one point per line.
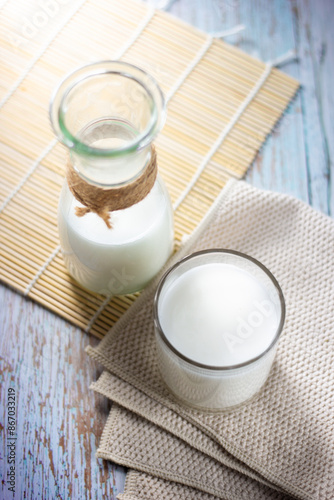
(218, 315)
(126, 257)
(217, 318)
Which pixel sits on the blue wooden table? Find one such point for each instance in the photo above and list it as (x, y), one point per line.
(59, 420)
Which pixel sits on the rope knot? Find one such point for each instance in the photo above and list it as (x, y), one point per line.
(103, 201)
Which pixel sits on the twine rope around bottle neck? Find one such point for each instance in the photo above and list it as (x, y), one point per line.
(103, 201)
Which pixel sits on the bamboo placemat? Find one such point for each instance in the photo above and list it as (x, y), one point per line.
(222, 104)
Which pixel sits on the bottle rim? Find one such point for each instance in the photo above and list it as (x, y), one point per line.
(57, 109)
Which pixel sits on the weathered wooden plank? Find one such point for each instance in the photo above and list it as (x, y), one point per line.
(59, 419)
(280, 165)
(323, 36)
(314, 40)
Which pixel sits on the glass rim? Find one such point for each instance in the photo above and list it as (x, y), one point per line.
(197, 364)
(127, 70)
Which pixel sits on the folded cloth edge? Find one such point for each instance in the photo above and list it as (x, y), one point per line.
(178, 478)
(239, 467)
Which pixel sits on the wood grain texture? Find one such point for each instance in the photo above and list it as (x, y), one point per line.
(59, 420)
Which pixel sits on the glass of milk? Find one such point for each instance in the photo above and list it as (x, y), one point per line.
(107, 115)
(218, 315)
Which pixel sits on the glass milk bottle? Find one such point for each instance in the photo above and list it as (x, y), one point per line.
(115, 216)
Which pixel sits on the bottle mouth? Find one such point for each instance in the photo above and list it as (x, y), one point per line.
(107, 91)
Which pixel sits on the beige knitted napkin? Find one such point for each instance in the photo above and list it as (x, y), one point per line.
(130, 440)
(129, 397)
(286, 434)
(141, 486)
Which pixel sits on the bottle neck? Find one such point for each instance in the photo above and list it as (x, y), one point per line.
(108, 114)
(120, 166)
(110, 172)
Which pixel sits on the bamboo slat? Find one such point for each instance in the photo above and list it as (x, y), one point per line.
(199, 109)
